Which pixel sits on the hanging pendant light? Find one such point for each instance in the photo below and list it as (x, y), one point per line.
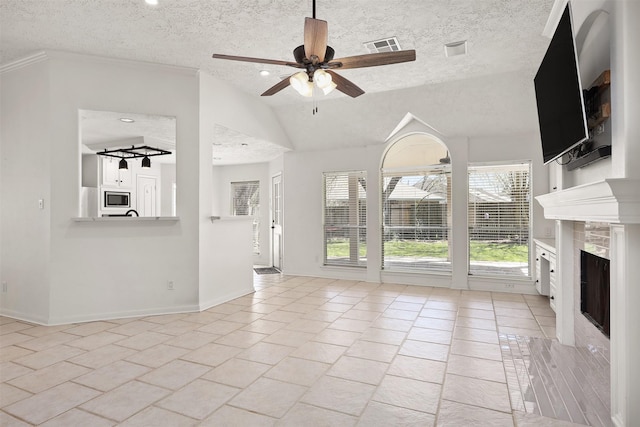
(146, 162)
(123, 164)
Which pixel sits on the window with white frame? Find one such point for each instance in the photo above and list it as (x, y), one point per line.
(499, 219)
(416, 218)
(345, 218)
(245, 200)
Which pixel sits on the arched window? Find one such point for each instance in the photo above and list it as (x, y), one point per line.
(416, 204)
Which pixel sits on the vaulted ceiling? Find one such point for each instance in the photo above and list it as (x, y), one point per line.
(502, 36)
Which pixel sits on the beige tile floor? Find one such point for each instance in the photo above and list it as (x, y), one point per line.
(300, 351)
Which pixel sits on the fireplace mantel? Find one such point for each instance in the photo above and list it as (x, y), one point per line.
(614, 201)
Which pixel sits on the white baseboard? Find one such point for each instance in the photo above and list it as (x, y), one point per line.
(502, 285)
(25, 317)
(225, 298)
(65, 320)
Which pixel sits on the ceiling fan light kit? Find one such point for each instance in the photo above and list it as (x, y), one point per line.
(316, 60)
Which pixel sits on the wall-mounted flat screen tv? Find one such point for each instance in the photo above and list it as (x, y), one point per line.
(561, 112)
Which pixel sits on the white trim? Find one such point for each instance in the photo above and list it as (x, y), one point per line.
(611, 200)
(66, 320)
(504, 286)
(25, 317)
(24, 62)
(205, 305)
(618, 324)
(56, 54)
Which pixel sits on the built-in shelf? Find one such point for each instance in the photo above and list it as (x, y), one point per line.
(599, 153)
(598, 104)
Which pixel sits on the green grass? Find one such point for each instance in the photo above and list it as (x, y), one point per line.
(340, 249)
(480, 251)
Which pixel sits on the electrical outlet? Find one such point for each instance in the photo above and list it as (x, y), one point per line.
(170, 285)
(41, 203)
(4, 286)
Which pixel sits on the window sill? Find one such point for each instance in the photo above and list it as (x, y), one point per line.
(343, 266)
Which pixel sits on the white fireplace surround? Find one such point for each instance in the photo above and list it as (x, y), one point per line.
(617, 202)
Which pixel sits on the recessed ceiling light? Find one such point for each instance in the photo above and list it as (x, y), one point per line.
(126, 120)
(151, 2)
(455, 48)
(264, 73)
(217, 158)
(244, 144)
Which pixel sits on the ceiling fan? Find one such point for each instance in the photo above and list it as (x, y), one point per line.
(316, 60)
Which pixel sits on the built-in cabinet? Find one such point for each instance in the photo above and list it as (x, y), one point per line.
(112, 175)
(546, 270)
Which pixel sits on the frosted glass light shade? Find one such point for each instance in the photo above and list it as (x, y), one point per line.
(328, 89)
(300, 82)
(322, 79)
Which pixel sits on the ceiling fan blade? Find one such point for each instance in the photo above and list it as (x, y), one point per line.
(344, 85)
(277, 87)
(258, 60)
(373, 59)
(315, 38)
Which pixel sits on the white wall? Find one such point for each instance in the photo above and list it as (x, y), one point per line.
(482, 106)
(118, 269)
(59, 270)
(24, 179)
(250, 172)
(486, 119)
(303, 210)
(243, 113)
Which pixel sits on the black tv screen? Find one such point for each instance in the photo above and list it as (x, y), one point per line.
(561, 113)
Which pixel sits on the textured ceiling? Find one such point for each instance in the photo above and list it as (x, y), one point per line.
(502, 35)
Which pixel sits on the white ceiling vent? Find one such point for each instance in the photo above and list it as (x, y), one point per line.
(455, 48)
(385, 45)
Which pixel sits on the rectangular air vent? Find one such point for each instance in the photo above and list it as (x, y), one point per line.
(385, 45)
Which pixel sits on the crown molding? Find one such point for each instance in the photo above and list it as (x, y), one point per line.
(72, 56)
(24, 62)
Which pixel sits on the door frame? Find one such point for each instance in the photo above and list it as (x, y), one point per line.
(280, 232)
(157, 200)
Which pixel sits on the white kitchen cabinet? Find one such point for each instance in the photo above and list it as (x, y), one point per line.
(546, 271)
(113, 176)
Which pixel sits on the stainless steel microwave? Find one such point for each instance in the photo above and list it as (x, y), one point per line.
(117, 199)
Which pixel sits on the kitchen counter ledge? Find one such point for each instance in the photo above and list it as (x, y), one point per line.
(125, 218)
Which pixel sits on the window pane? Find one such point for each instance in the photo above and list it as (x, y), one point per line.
(417, 219)
(345, 219)
(499, 220)
(245, 200)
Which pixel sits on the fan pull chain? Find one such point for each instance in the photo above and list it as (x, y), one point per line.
(314, 107)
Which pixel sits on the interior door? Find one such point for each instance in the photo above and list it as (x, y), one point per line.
(146, 195)
(276, 221)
